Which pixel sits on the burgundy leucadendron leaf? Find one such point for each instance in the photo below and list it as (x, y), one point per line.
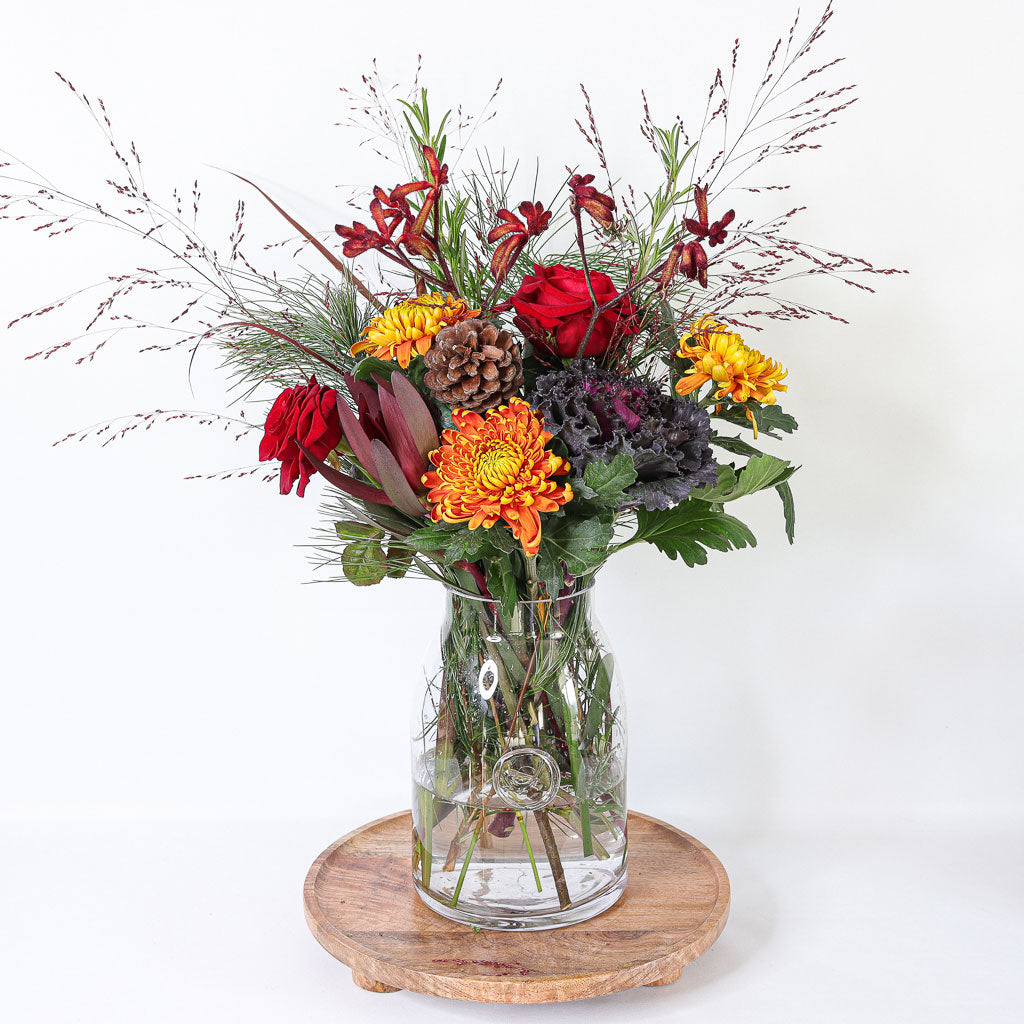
(356, 437)
(402, 444)
(359, 388)
(417, 414)
(364, 492)
(393, 480)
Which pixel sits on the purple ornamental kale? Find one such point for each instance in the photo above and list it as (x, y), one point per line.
(598, 413)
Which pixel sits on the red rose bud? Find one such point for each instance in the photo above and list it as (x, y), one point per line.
(554, 308)
(305, 415)
(597, 204)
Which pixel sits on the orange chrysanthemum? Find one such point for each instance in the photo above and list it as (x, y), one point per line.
(495, 467)
(409, 328)
(719, 355)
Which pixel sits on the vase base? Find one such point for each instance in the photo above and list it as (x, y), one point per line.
(362, 907)
(532, 922)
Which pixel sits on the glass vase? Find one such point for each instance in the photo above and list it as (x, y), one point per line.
(519, 766)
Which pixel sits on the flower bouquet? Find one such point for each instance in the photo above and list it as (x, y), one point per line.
(501, 386)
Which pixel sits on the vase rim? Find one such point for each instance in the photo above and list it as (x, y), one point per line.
(470, 596)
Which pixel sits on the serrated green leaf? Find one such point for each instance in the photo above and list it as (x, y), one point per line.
(459, 543)
(760, 472)
(687, 530)
(582, 544)
(364, 562)
(763, 471)
(773, 418)
(725, 482)
(433, 537)
(604, 483)
(769, 418)
(472, 545)
(501, 581)
(736, 445)
(549, 571)
(788, 509)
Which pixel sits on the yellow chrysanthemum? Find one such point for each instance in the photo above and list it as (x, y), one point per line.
(408, 329)
(495, 467)
(719, 355)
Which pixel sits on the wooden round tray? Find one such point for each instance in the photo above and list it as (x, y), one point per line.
(362, 908)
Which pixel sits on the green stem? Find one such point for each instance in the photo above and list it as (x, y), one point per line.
(529, 850)
(578, 770)
(465, 865)
(425, 840)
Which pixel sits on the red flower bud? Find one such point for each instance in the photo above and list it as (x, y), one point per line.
(359, 239)
(512, 235)
(717, 232)
(597, 204)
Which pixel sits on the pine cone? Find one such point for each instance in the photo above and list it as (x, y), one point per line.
(473, 364)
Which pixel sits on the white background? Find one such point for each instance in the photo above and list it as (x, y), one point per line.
(185, 724)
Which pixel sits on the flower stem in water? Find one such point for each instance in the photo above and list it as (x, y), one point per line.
(465, 865)
(551, 848)
(529, 850)
(426, 841)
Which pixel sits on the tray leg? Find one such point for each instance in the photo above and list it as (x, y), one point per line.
(370, 985)
(666, 979)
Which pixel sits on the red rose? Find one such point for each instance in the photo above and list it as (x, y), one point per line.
(306, 415)
(555, 301)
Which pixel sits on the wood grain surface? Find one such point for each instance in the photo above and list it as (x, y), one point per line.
(362, 908)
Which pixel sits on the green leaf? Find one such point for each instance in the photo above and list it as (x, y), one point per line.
(726, 481)
(582, 544)
(772, 418)
(760, 472)
(549, 570)
(370, 365)
(788, 508)
(769, 418)
(364, 562)
(604, 483)
(432, 537)
(472, 545)
(687, 530)
(459, 543)
(501, 581)
(399, 561)
(736, 445)
(763, 471)
(349, 530)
